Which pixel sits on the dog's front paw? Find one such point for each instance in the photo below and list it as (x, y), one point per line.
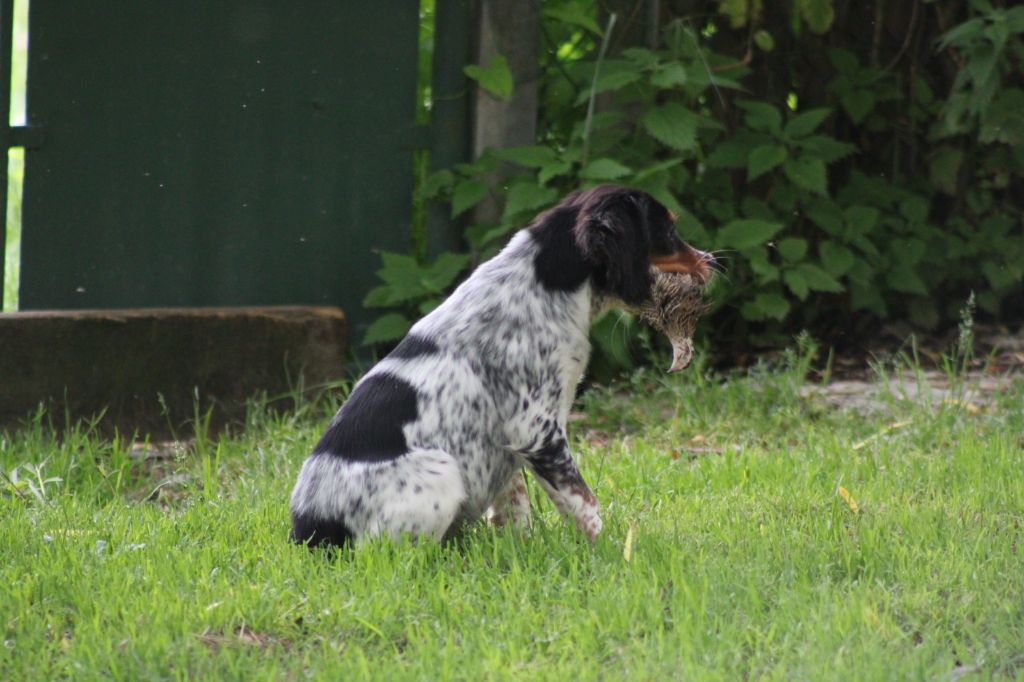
(590, 523)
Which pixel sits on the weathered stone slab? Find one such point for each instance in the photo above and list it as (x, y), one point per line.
(134, 362)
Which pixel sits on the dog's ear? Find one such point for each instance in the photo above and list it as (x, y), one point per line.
(613, 238)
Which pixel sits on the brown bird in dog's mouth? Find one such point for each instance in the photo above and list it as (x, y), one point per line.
(677, 302)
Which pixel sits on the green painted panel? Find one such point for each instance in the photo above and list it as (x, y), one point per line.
(217, 153)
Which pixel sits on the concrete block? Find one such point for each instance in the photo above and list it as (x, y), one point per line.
(82, 362)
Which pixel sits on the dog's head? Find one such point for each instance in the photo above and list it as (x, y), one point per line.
(621, 232)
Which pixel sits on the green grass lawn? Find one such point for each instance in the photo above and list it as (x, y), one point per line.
(727, 552)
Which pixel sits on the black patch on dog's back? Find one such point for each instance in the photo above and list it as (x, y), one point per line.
(414, 346)
(369, 427)
(559, 263)
(318, 532)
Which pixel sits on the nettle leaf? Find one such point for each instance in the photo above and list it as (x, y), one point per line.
(735, 152)
(903, 278)
(672, 125)
(764, 158)
(819, 14)
(945, 169)
(826, 214)
(826, 148)
(669, 76)
(468, 193)
(771, 305)
(526, 196)
(915, 209)
(796, 283)
(817, 279)
(657, 168)
(764, 40)
(742, 234)
(495, 78)
(531, 156)
(605, 169)
(792, 248)
(575, 14)
(614, 77)
(641, 56)
(443, 271)
(861, 219)
(378, 297)
(836, 258)
(553, 170)
(436, 184)
(761, 265)
(388, 327)
(806, 123)
(857, 103)
(762, 116)
(808, 173)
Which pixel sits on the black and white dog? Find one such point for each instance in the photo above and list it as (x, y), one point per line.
(441, 429)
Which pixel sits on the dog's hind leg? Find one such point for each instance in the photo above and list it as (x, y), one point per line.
(420, 492)
(512, 504)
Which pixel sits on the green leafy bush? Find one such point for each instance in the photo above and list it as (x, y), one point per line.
(838, 195)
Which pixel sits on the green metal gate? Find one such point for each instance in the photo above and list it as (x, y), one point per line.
(237, 152)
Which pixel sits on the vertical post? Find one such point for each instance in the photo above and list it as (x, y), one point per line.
(6, 48)
(450, 121)
(511, 29)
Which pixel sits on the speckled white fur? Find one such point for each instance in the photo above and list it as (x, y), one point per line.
(497, 391)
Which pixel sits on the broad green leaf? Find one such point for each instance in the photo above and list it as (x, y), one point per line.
(657, 168)
(740, 12)
(735, 152)
(819, 14)
(742, 234)
(531, 156)
(861, 219)
(672, 125)
(605, 169)
(467, 194)
(806, 123)
(524, 197)
(378, 297)
(402, 278)
(762, 116)
(611, 81)
(857, 103)
(495, 78)
(443, 271)
(388, 327)
(764, 40)
(437, 183)
(575, 14)
(826, 148)
(962, 34)
(553, 170)
(792, 248)
(944, 169)
(903, 278)
(796, 283)
(807, 173)
(641, 56)
(817, 279)
(670, 75)
(763, 159)
(772, 305)
(757, 258)
(826, 214)
(915, 209)
(836, 258)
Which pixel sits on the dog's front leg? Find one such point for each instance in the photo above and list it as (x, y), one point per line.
(553, 465)
(512, 505)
